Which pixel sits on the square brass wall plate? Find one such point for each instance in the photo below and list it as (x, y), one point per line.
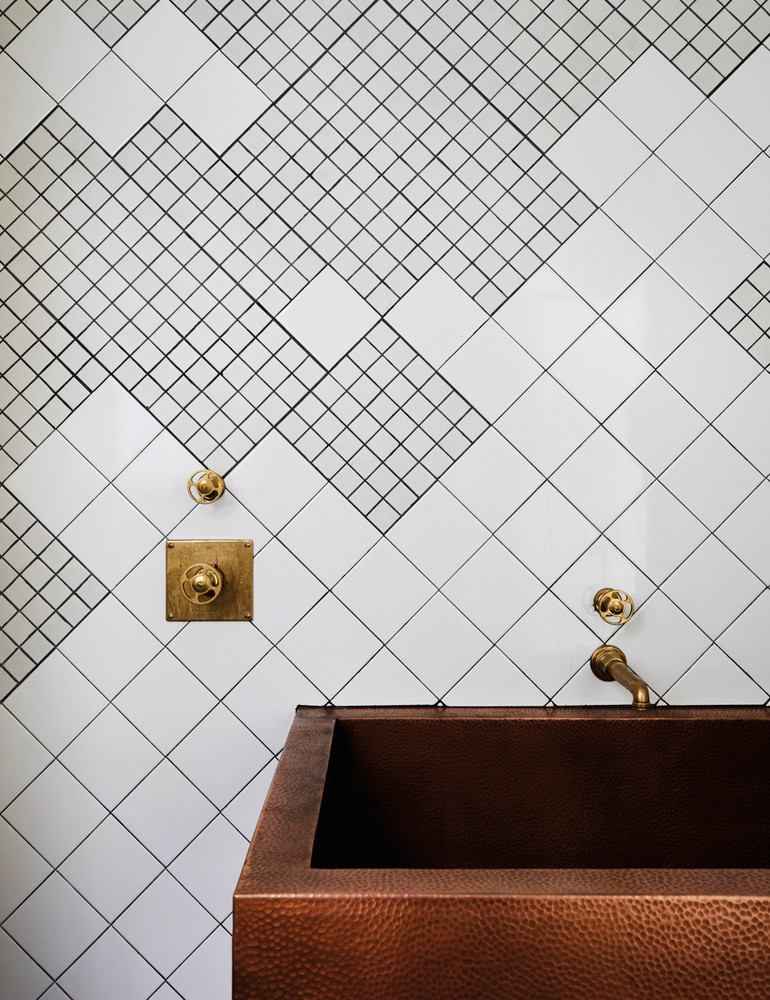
(230, 559)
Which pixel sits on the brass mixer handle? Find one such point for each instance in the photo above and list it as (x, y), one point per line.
(615, 606)
(201, 583)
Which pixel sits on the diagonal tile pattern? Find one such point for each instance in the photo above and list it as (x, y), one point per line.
(469, 302)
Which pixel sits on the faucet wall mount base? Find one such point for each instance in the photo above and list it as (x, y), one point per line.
(209, 580)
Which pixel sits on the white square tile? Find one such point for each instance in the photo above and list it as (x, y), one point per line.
(384, 680)
(744, 640)
(494, 681)
(545, 315)
(547, 533)
(742, 96)
(110, 536)
(167, 465)
(92, 647)
(492, 479)
(38, 702)
(22, 976)
(708, 151)
(598, 153)
(709, 260)
(220, 756)
(275, 481)
(219, 102)
(710, 369)
(600, 370)
(715, 680)
(165, 924)
(384, 589)
(652, 97)
(745, 423)
(207, 973)
(436, 316)
(165, 813)
(711, 478)
(210, 866)
(713, 587)
(165, 701)
(243, 812)
(656, 424)
(111, 967)
(493, 589)
(111, 103)
(24, 757)
(546, 424)
(164, 48)
(227, 518)
(491, 370)
(599, 261)
(439, 645)
(655, 314)
(55, 461)
(745, 532)
(70, 812)
(22, 104)
(654, 206)
(267, 697)
(549, 644)
(657, 532)
(601, 478)
(110, 757)
(57, 49)
(438, 534)
(329, 645)
(329, 535)
(23, 869)
(661, 642)
(744, 205)
(85, 868)
(143, 592)
(55, 925)
(284, 590)
(328, 317)
(110, 428)
(602, 565)
(199, 646)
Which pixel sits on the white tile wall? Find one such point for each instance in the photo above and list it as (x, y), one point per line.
(467, 340)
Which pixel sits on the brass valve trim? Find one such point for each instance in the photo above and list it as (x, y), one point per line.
(615, 606)
(226, 570)
(208, 487)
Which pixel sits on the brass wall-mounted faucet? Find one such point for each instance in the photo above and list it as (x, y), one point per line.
(609, 664)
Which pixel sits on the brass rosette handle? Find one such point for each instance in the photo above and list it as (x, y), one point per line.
(207, 488)
(201, 583)
(615, 606)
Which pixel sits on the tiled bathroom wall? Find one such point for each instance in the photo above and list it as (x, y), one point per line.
(468, 302)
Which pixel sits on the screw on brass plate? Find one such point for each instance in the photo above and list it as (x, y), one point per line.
(169, 616)
(171, 545)
(247, 617)
(247, 545)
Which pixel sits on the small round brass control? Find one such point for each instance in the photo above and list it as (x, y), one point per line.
(201, 583)
(614, 606)
(208, 487)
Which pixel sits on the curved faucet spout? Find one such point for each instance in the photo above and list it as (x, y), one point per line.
(609, 664)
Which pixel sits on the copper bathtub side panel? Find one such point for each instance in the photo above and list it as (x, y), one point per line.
(504, 948)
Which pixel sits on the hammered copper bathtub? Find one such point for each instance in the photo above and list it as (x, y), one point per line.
(525, 854)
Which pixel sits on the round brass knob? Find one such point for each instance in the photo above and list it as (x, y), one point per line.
(614, 606)
(208, 487)
(201, 583)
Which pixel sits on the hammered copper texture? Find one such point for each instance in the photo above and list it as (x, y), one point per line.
(537, 933)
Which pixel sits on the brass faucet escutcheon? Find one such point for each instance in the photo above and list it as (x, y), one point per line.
(207, 488)
(614, 606)
(609, 664)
